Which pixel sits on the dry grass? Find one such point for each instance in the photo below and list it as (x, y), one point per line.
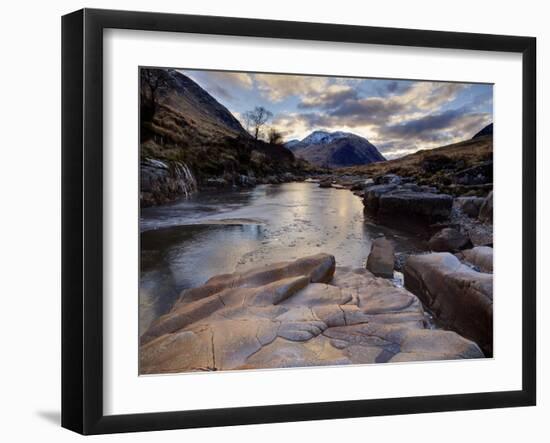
(468, 153)
(436, 167)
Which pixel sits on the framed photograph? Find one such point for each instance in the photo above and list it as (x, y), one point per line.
(269, 221)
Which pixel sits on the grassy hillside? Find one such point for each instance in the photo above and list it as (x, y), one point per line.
(460, 168)
(182, 122)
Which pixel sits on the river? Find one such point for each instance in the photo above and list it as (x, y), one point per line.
(185, 243)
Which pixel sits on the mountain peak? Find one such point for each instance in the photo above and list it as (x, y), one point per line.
(335, 149)
(487, 130)
(323, 137)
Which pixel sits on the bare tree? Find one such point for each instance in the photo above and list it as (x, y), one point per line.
(275, 137)
(256, 119)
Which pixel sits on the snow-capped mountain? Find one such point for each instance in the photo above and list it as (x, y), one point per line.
(335, 149)
(324, 137)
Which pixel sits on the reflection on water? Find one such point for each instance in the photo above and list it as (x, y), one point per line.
(185, 243)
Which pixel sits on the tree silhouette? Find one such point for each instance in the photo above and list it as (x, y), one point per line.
(275, 137)
(151, 81)
(256, 119)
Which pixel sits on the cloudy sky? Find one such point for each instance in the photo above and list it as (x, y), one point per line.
(397, 116)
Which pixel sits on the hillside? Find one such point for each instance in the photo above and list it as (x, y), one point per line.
(487, 130)
(189, 140)
(461, 168)
(335, 149)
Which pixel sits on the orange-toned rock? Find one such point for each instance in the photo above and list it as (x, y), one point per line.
(295, 314)
(460, 297)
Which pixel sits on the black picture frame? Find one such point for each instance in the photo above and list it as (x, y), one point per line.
(82, 219)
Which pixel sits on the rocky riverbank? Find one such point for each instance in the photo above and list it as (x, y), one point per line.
(453, 278)
(295, 314)
(309, 312)
(163, 181)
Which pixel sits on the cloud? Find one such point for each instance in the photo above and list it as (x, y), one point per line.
(342, 104)
(398, 116)
(372, 109)
(239, 79)
(429, 95)
(428, 123)
(431, 131)
(458, 120)
(331, 97)
(279, 87)
(223, 85)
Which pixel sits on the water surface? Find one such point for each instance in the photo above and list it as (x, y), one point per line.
(185, 243)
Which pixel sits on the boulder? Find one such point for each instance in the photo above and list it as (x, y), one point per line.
(412, 187)
(381, 259)
(481, 257)
(448, 240)
(372, 196)
(486, 209)
(469, 205)
(325, 184)
(389, 179)
(426, 206)
(476, 175)
(361, 184)
(458, 296)
(295, 314)
(481, 235)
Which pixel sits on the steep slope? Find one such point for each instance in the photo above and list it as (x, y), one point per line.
(189, 140)
(335, 149)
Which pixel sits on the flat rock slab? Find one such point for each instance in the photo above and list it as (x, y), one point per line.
(295, 314)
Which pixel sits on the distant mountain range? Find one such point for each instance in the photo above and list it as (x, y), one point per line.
(335, 149)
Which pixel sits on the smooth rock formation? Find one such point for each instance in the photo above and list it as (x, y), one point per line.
(448, 240)
(481, 257)
(486, 209)
(459, 297)
(286, 315)
(381, 258)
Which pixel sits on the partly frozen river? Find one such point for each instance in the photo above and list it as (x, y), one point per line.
(185, 243)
